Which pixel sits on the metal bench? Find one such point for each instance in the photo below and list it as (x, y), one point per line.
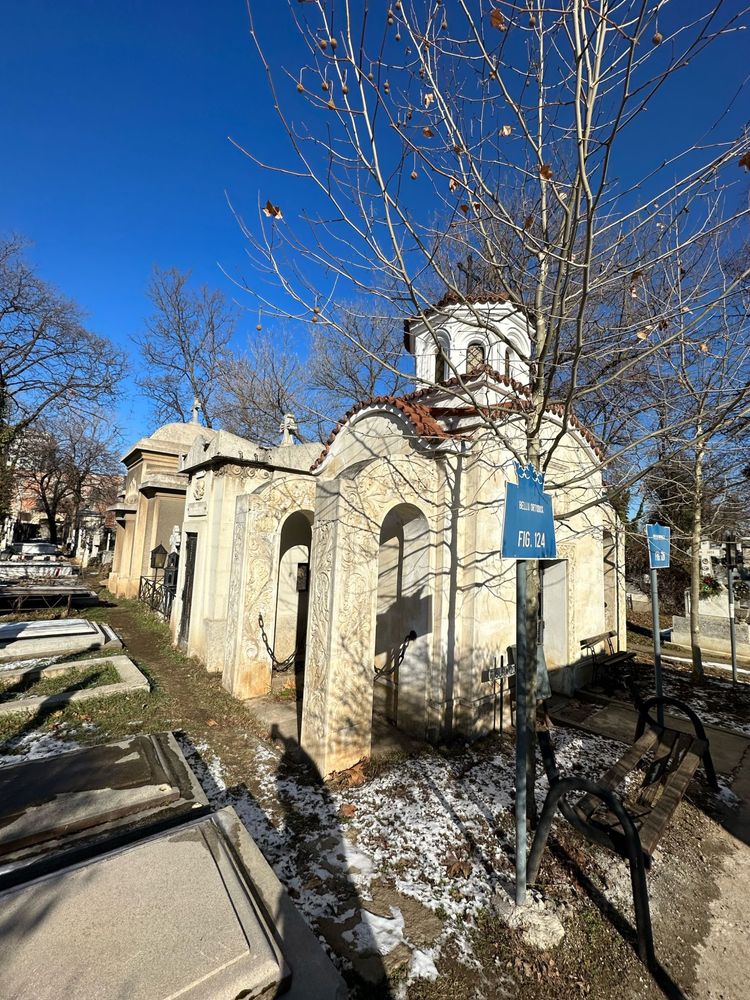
(605, 657)
(633, 826)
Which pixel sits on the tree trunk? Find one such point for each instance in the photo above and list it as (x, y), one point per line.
(695, 563)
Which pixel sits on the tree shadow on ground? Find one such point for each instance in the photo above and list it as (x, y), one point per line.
(303, 841)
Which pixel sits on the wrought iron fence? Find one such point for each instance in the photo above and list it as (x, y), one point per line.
(158, 597)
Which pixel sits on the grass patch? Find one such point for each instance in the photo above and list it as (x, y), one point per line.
(36, 684)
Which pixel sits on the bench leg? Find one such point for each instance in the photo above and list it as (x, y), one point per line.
(641, 904)
(638, 883)
(542, 833)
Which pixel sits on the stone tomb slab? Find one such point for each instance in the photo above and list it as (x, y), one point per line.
(131, 680)
(176, 915)
(24, 640)
(55, 810)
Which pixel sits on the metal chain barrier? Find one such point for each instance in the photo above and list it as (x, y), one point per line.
(393, 667)
(280, 666)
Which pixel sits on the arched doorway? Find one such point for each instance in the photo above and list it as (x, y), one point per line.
(404, 609)
(292, 597)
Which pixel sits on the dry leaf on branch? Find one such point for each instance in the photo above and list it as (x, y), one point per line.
(497, 20)
(506, 130)
(272, 211)
(528, 222)
(704, 348)
(545, 171)
(745, 161)
(427, 132)
(643, 334)
(428, 99)
(452, 184)
(464, 208)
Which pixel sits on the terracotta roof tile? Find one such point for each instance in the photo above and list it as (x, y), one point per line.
(418, 415)
(424, 418)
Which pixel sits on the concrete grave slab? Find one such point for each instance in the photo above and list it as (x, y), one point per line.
(46, 628)
(56, 810)
(179, 914)
(131, 679)
(22, 640)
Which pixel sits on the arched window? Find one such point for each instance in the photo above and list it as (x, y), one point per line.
(474, 356)
(507, 362)
(440, 366)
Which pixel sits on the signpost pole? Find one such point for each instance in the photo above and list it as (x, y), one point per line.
(730, 594)
(528, 533)
(657, 643)
(521, 734)
(658, 539)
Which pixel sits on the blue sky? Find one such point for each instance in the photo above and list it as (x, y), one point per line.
(115, 119)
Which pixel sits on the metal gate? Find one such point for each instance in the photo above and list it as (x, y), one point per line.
(187, 590)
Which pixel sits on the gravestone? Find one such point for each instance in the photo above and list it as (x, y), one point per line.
(194, 912)
(20, 640)
(57, 809)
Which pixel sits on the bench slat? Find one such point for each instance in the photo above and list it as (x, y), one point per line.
(666, 758)
(627, 763)
(674, 790)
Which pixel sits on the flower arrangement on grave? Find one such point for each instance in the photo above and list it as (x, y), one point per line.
(742, 590)
(709, 586)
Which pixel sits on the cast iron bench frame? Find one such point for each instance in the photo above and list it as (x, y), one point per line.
(631, 830)
(607, 657)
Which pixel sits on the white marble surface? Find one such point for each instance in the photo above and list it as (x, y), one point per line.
(47, 628)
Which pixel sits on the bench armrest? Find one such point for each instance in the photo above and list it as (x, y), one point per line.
(644, 716)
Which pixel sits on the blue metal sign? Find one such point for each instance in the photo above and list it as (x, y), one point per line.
(529, 525)
(658, 546)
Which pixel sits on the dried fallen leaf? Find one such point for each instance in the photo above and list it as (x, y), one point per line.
(212, 722)
(497, 20)
(455, 867)
(272, 211)
(506, 130)
(347, 810)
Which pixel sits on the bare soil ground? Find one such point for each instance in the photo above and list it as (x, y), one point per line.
(420, 845)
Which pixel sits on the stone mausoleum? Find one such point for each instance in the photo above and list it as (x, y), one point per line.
(374, 561)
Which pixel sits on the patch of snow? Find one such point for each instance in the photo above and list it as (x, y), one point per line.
(34, 745)
(422, 965)
(375, 934)
(438, 829)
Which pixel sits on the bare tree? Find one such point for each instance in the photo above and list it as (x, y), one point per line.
(67, 463)
(354, 360)
(185, 344)
(257, 388)
(47, 356)
(507, 130)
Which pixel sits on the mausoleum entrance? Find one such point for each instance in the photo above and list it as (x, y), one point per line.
(292, 598)
(403, 621)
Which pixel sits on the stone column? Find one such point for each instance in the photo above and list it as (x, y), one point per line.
(252, 591)
(337, 710)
